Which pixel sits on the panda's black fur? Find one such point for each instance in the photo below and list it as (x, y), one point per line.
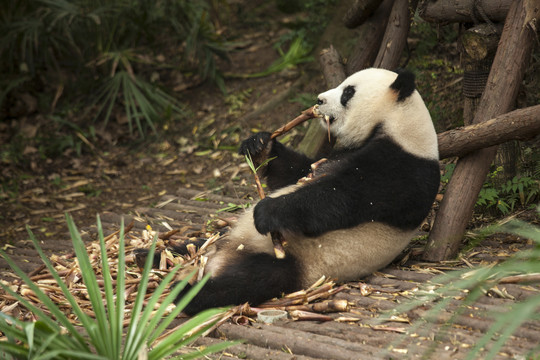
(371, 193)
(344, 195)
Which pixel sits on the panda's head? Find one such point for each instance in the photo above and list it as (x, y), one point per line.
(378, 97)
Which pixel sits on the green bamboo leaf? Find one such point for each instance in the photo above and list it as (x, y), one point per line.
(115, 315)
(47, 302)
(132, 345)
(99, 331)
(155, 298)
(186, 299)
(118, 321)
(150, 317)
(179, 337)
(512, 320)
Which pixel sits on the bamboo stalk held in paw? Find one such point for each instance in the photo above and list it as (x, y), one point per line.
(277, 238)
(304, 116)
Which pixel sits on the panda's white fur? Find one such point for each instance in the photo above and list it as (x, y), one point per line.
(356, 215)
(318, 256)
(407, 121)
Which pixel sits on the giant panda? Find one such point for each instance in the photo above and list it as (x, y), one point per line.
(350, 216)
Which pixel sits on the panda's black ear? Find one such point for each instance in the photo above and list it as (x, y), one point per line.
(404, 84)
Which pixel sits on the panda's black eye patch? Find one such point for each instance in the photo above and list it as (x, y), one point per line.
(347, 94)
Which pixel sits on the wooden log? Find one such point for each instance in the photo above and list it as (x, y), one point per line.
(315, 141)
(472, 11)
(522, 124)
(469, 175)
(359, 12)
(299, 342)
(480, 42)
(395, 36)
(249, 351)
(369, 39)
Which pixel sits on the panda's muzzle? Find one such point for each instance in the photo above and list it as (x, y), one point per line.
(329, 119)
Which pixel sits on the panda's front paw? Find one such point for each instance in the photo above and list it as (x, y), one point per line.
(258, 146)
(266, 216)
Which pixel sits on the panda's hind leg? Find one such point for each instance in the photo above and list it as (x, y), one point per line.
(180, 249)
(252, 278)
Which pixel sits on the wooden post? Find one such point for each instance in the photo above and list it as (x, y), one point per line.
(503, 84)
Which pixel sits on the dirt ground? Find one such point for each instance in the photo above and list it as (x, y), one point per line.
(117, 174)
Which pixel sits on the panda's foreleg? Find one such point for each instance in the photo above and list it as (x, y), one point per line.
(286, 165)
(252, 278)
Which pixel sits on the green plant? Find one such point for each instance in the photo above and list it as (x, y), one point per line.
(298, 52)
(519, 191)
(72, 48)
(469, 285)
(230, 207)
(316, 16)
(54, 336)
(305, 99)
(448, 172)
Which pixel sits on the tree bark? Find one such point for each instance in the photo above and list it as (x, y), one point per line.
(332, 67)
(503, 84)
(315, 141)
(522, 124)
(396, 33)
(472, 11)
(369, 39)
(359, 12)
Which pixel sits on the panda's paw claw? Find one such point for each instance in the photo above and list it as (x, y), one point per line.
(255, 144)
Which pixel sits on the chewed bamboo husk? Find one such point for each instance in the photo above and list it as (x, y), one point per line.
(308, 304)
(68, 269)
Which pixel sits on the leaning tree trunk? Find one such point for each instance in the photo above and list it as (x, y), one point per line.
(315, 141)
(395, 36)
(369, 39)
(359, 12)
(503, 84)
(381, 44)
